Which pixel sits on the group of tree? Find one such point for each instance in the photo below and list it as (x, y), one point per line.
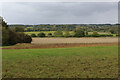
(38, 35)
(55, 34)
(95, 34)
(59, 33)
(77, 33)
(11, 37)
(113, 28)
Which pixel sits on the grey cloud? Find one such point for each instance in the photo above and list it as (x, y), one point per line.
(60, 12)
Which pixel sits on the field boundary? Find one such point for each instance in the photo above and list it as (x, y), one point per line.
(63, 45)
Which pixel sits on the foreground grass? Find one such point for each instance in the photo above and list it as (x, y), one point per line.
(79, 62)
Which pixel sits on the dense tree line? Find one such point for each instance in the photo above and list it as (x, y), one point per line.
(11, 37)
(113, 28)
(79, 30)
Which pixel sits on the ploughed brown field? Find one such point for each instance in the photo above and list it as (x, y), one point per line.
(66, 42)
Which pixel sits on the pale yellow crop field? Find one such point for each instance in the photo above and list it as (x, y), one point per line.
(74, 40)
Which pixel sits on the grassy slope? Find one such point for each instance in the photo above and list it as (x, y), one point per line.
(78, 62)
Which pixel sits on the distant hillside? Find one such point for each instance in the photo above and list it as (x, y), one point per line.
(68, 27)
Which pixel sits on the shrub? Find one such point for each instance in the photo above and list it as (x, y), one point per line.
(79, 33)
(41, 35)
(95, 34)
(117, 35)
(88, 36)
(28, 39)
(49, 34)
(106, 35)
(112, 31)
(23, 38)
(58, 33)
(33, 35)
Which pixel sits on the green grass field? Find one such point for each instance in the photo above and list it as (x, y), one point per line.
(46, 32)
(77, 62)
(71, 33)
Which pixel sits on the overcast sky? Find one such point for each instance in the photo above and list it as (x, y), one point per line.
(60, 12)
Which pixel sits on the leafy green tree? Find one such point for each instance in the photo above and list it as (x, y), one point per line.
(27, 39)
(5, 32)
(49, 34)
(41, 35)
(23, 38)
(86, 33)
(79, 33)
(19, 29)
(58, 33)
(5, 36)
(112, 31)
(10, 37)
(3, 23)
(33, 35)
(95, 34)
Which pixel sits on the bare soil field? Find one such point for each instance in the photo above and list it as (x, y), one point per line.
(37, 46)
(65, 42)
(74, 40)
